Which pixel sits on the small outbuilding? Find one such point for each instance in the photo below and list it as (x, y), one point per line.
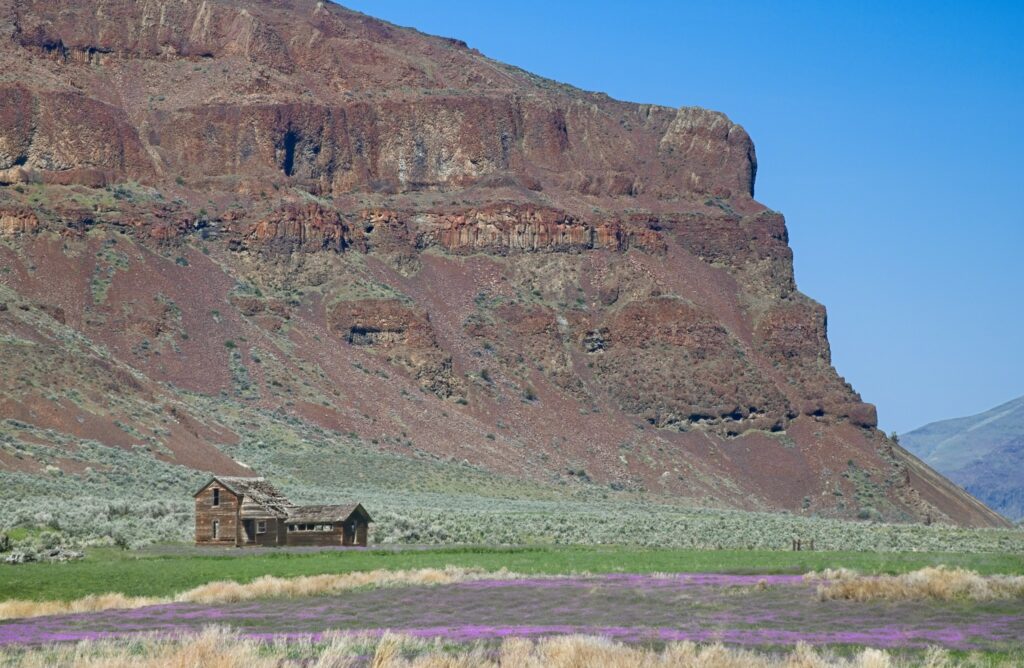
(242, 512)
(328, 525)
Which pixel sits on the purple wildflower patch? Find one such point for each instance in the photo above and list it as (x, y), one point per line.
(734, 609)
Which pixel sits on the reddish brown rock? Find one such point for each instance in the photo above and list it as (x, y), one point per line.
(14, 223)
(794, 330)
(690, 135)
(381, 322)
(248, 304)
(308, 228)
(258, 121)
(399, 331)
(69, 137)
(677, 365)
(15, 127)
(864, 415)
(55, 312)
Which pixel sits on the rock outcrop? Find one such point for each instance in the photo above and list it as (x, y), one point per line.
(16, 222)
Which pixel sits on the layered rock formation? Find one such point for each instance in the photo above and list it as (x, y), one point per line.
(301, 209)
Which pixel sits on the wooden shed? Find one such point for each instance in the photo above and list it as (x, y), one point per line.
(328, 525)
(236, 511)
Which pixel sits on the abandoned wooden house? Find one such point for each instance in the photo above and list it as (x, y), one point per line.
(234, 511)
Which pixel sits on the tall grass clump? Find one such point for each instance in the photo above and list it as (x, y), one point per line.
(17, 609)
(938, 583)
(219, 648)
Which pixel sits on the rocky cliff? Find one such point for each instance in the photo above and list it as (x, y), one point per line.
(295, 208)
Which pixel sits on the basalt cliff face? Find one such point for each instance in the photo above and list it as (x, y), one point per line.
(296, 209)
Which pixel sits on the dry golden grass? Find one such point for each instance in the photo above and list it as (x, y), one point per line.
(313, 585)
(940, 583)
(267, 586)
(217, 648)
(14, 609)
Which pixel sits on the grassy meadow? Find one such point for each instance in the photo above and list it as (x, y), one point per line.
(467, 617)
(164, 572)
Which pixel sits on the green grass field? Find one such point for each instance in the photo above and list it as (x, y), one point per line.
(160, 574)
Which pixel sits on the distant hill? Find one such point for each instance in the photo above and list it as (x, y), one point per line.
(984, 453)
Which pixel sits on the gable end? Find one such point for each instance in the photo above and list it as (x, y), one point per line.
(216, 481)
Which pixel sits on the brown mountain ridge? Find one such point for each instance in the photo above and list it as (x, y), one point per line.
(291, 207)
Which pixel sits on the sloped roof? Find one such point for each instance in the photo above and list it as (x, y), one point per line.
(339, 513)
(261, 499)
(256, 492)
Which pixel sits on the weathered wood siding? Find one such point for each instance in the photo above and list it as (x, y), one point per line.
(226, 513)
(333, 537)
(361, 535)
(274, 535)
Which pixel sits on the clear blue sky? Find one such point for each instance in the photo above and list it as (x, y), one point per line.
(890, 137)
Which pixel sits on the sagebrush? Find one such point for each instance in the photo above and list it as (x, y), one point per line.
(131, 499)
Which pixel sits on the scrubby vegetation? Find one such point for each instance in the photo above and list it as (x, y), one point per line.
(941, 583)
(219, 647)
(123, 498)
(96, 515)
(656, 525)
(130, 499)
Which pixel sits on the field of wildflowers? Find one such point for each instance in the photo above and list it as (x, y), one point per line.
(645, 610)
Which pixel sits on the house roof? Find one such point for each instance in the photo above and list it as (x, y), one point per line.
(259, 497)
(339, 513)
